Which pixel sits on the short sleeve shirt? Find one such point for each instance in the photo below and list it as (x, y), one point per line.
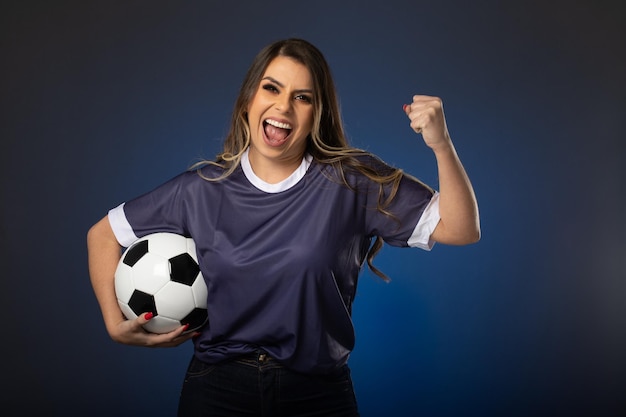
(281, 261)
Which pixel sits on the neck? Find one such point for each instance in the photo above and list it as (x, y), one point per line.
(273, 170)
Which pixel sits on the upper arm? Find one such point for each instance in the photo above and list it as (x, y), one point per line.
(444, 235)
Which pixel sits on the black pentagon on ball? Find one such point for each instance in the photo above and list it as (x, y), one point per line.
(184, 269)
(196, 318)
(140, 302)
(135, 252)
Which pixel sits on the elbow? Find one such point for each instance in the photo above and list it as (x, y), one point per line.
(472, 235)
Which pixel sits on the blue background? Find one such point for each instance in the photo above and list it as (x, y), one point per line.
(102, 101)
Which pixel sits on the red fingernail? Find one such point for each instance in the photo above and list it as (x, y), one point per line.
(148, 315)
(404, 106)
(185, 327)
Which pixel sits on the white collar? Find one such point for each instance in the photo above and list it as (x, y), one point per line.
(284, 185)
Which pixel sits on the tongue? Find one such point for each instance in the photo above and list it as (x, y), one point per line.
(275, 134)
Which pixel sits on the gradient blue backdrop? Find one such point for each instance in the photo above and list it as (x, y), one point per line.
(103, 100)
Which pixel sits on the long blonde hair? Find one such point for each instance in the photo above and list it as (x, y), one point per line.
(327, 141)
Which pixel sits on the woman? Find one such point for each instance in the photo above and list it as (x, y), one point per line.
(283, 221)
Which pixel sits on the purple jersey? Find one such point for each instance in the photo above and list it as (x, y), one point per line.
(281, 261)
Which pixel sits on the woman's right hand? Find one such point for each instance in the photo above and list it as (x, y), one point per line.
(131, 332)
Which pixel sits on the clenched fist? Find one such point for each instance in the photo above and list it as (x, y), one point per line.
(427, 118)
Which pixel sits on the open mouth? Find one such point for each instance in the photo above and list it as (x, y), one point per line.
(276, 133)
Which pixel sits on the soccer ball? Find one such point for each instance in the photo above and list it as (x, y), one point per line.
(159, 273)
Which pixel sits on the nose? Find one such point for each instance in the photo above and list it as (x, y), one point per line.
(283, 103)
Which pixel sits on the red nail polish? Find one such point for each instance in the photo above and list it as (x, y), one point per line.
(148, 316)
(185, 327)
(404, 106)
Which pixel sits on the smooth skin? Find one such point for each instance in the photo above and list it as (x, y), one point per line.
(285, 95)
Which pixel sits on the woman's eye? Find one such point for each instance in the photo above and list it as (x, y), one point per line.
(305, 98)
(270, 87)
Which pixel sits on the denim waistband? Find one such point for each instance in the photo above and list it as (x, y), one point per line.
(258, 358)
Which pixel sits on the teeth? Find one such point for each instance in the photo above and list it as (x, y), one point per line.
(278, 124)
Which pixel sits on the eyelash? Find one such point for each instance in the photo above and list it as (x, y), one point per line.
(303, 97)
(270, 87)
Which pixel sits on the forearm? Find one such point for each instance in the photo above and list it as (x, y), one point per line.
(104, 253)
(459, 223)
(458, 208)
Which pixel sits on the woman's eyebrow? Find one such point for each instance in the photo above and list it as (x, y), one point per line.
(278, 83)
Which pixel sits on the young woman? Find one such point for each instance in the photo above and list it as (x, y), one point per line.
(283, 221)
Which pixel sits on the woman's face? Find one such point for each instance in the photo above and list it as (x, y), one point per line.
(281, 114)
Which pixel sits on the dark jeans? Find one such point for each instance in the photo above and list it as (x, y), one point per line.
(257, 385)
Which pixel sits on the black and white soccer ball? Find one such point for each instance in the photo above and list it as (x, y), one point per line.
(159, 273)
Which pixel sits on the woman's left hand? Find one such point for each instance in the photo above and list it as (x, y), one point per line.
(459, 220)
(427, 118)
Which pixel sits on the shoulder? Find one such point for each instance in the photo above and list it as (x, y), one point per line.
(207, 172)
(366, 171)
(347, 162)
(209, 169)
(364, 168)
(192, 180)
(375, 164)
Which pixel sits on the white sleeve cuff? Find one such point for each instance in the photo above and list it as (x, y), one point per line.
(121, 228)
(426, 225)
